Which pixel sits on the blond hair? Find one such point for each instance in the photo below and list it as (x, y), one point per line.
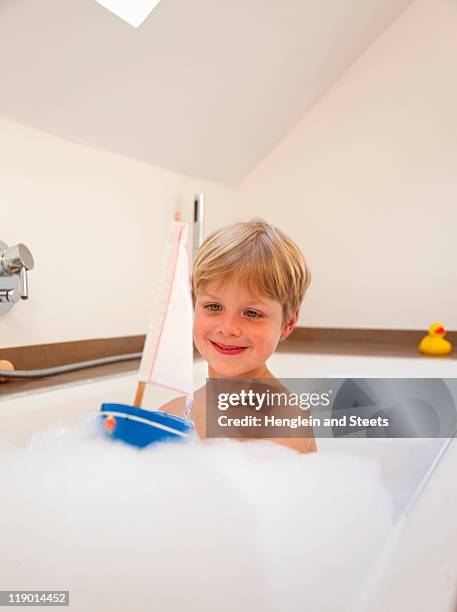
(260, 257)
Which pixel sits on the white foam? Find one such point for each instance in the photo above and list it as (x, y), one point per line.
(223, 525)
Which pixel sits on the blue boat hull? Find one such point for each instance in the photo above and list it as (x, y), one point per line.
(141, 428)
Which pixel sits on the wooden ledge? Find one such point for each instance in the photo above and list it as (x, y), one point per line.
(368, 342)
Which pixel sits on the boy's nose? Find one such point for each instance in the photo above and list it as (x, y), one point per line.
(229, 328)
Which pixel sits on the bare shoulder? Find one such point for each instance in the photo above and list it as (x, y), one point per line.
(175, 406)
(199, 403)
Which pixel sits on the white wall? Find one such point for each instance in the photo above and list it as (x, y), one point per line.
(367, 181)
(96, 224)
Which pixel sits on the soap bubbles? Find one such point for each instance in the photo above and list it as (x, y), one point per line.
(222, 525)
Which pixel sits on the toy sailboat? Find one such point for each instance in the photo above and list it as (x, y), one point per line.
(167, 359)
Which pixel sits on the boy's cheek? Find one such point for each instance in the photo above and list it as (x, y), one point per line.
(270, 347)
(200, 334)
(198, 325)
(265, 344)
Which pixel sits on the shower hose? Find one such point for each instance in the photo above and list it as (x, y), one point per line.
(71, 367)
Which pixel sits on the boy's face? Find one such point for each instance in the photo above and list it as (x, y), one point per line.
(237, 331)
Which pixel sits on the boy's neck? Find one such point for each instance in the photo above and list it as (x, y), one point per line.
(260, 372)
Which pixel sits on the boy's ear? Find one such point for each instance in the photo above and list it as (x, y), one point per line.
(289, 326)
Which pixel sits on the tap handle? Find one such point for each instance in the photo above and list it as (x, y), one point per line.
(15, 259)
(23, 284)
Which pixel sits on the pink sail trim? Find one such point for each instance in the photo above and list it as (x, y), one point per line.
(170, 289)
(155, 382)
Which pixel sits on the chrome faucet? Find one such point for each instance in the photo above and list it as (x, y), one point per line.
(15, 261)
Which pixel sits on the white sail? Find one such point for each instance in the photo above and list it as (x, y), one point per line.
(168, 351)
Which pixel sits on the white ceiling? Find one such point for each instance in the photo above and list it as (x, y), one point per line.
(203, 87)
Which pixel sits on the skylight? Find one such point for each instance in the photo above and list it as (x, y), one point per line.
(133, 12)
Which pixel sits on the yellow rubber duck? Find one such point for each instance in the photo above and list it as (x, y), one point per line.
(434, 343)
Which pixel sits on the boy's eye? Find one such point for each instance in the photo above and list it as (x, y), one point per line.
(253, 314)
(213, 307)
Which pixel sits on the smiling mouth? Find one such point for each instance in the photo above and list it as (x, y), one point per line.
(225, 349)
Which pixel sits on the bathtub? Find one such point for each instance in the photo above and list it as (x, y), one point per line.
(417, 570)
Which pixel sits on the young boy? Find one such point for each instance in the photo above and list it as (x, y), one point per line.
(248, 282)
